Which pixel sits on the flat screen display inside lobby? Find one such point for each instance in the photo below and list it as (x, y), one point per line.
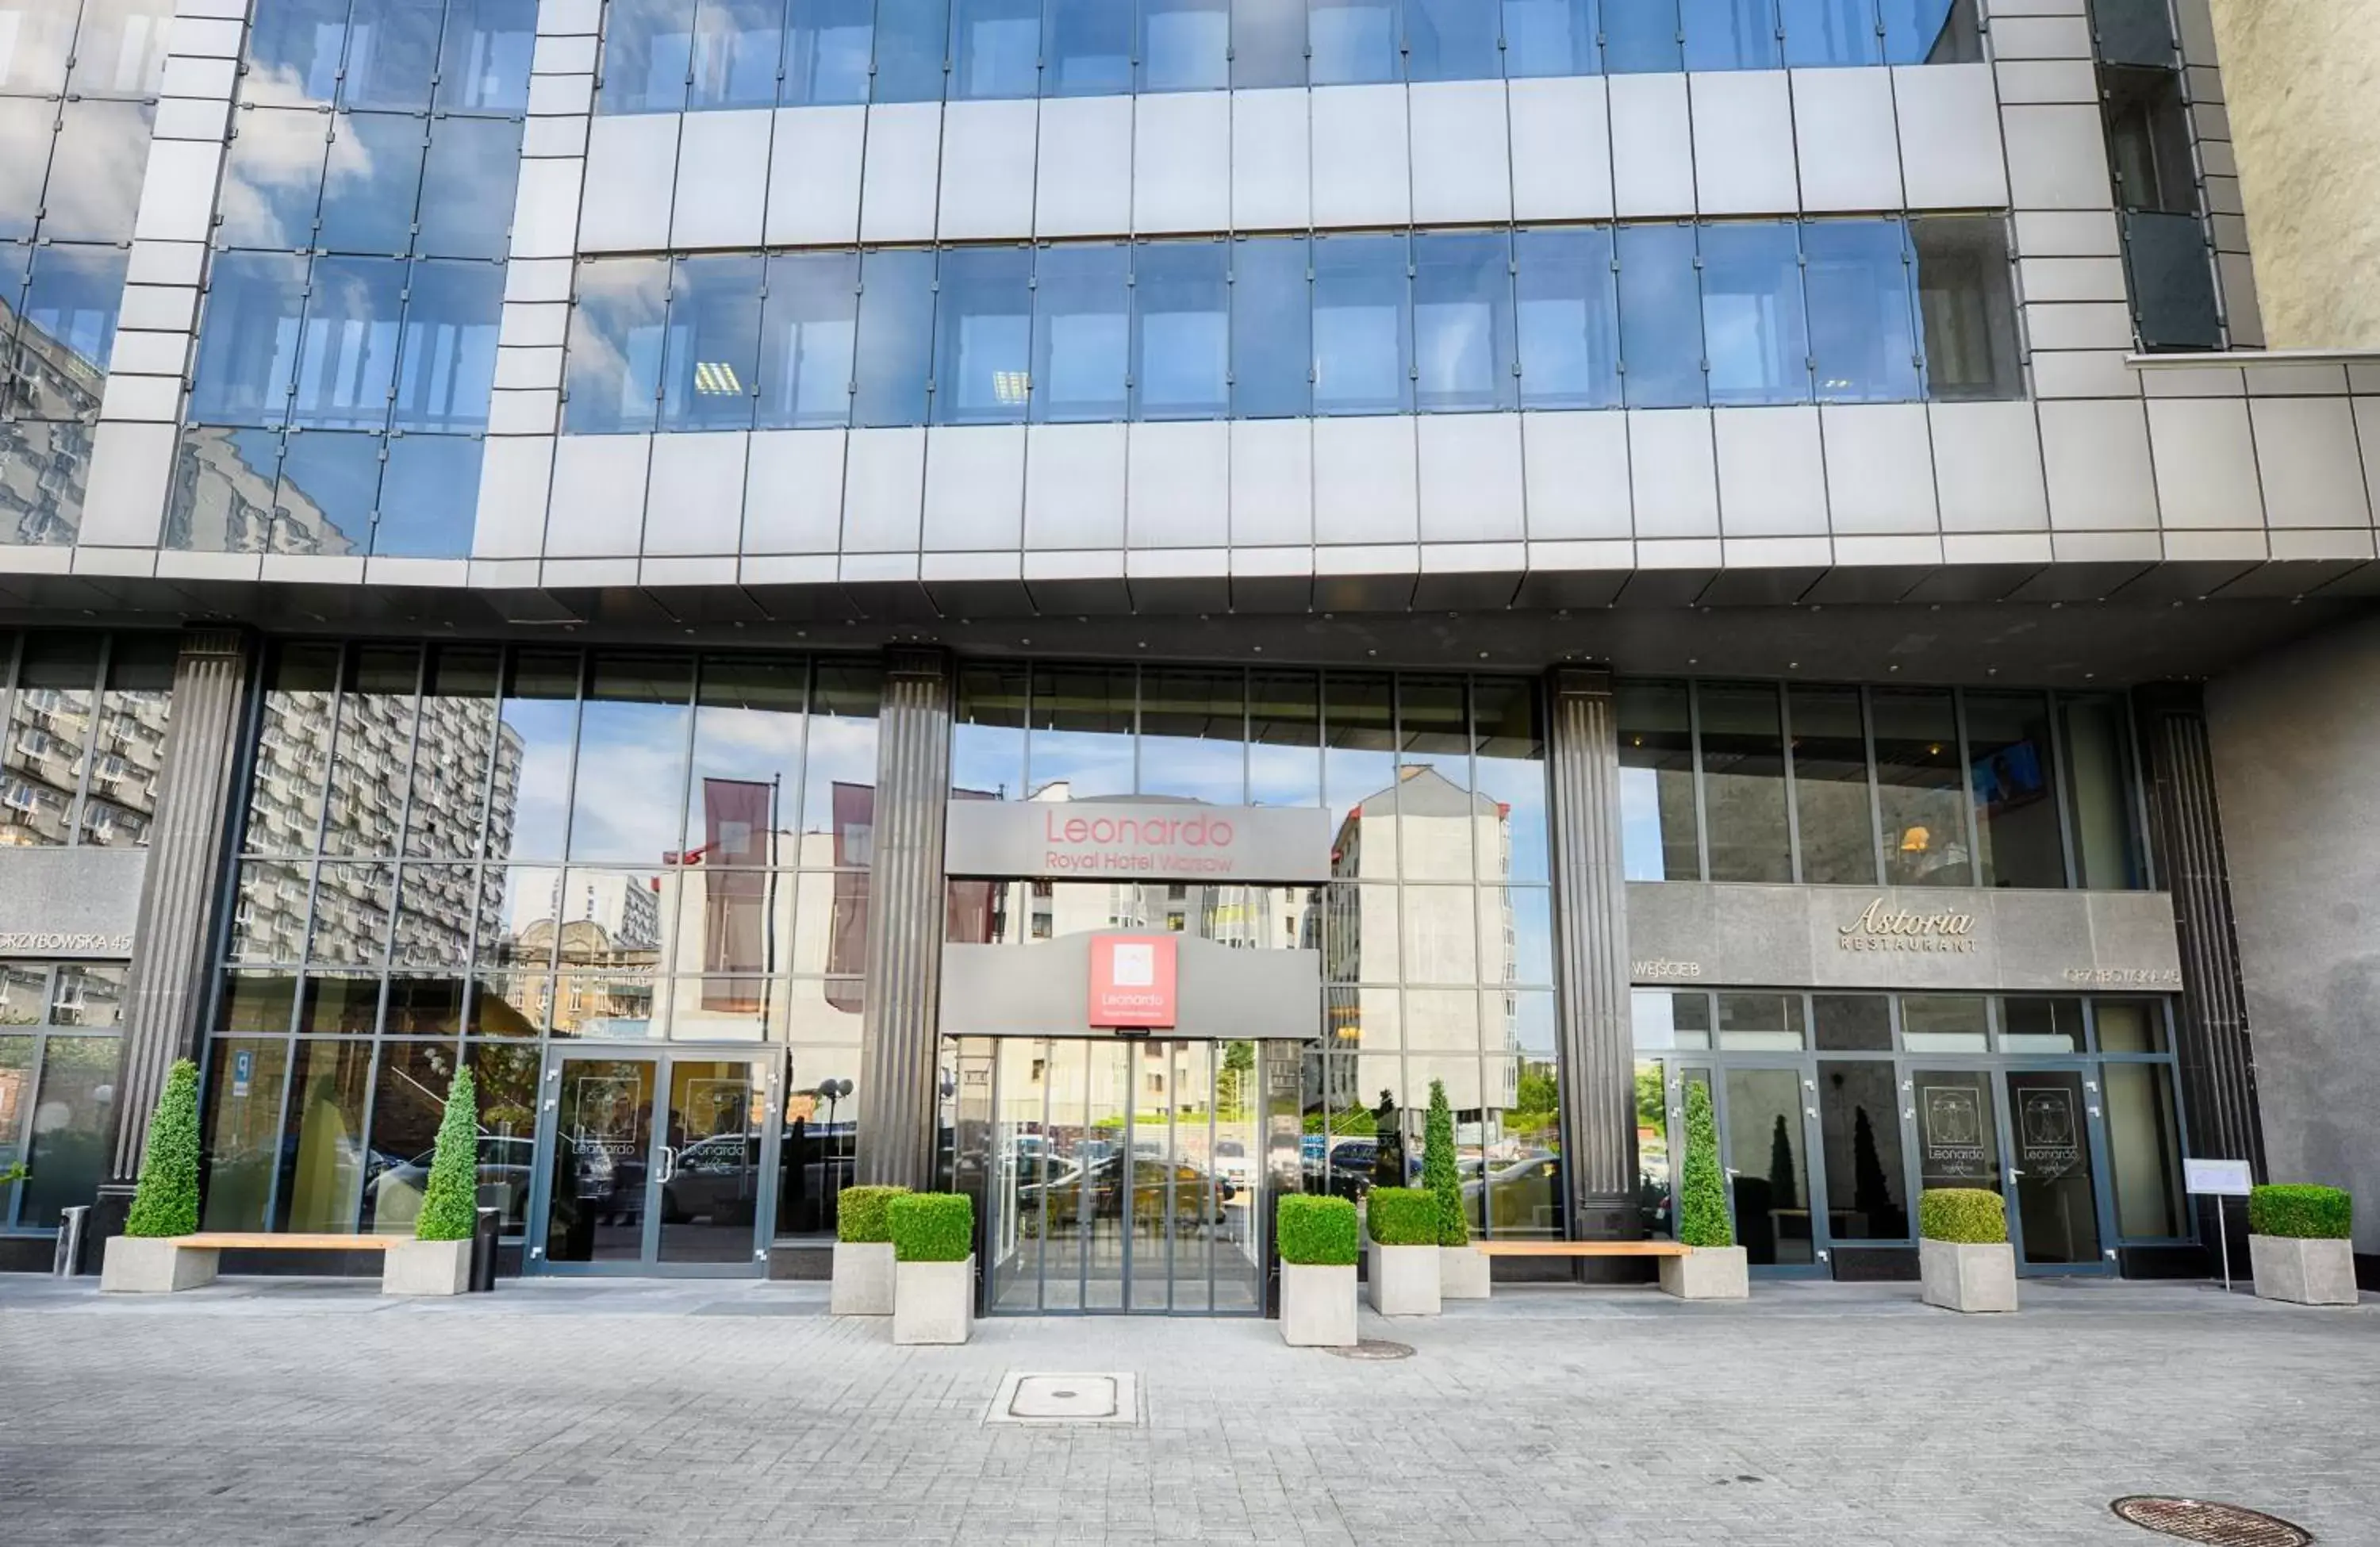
(1137, 840)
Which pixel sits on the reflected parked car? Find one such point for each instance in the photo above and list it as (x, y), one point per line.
(717, 1179)
(506, 1166)
(1523, 1195)
(1100, 1181)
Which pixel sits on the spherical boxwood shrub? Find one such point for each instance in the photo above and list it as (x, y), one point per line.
(1317, 1232)
(861, 1215)
(165, 1203)
(2302, 1213)
(1966, 1216)
(1403, 1216)
(931, 1226)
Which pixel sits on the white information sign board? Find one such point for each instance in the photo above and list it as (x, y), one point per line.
(2218, 1178)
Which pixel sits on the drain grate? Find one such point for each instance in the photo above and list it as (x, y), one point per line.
(2214, 1525)
(1045, 1399)
(1376, 1348)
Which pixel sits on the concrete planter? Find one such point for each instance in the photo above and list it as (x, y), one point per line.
(934, 1302)
(1961, 1275)
(1462, 1273)
(1317, 1306)
(151, 1265)
(863, 1279)
(439, 1268)
(1709, 1274)
(2302, 1272)
(1404, 1279)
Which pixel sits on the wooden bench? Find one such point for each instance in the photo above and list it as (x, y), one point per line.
(196, 1256)
(1581, 1248)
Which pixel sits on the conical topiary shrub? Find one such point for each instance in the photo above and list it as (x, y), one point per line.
(166, 1200)
(1438, 1173)
(1701, 1194)
(450, 1204)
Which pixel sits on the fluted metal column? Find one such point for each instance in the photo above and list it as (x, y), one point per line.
(174, 939)
(1598, 1090)
(2218, 1057)
(897, 1104)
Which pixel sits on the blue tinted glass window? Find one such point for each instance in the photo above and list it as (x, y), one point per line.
(806, 328)
(372, 184)
(828, 46)
(736, 45)
(1363, 326)
(40, 34)
(248, 340)
(1754, 333)
(43, 503)
(896, 337)
(983, 335)
(1550, 37)
(647, 50)
(1268, 43)
(94, 184)
(1660, 318)
(1273, 328)
(329, 482)
(468, 185)
(1182, 330)
(1186, 45)
(1569, 319)
(1462, 323)
(484, 64)
(1080, 336)
(294, 51)
(28, 128)
(1931, 33)
(1451, 40)
(428, 497)
(68, 328)
(16, 263)
(912, 38)
(1089, 48)
(346, 354)
(1862, 341)
(1730, 34)
(1829, 31)
(1353, 42)
(392, 53)
(119, 47)
(1641, 36)
(614, 383)
(273, 177)
(713, 358)
(448, 360)
(995, 48)
(222, 499)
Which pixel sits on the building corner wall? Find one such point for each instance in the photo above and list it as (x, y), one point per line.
(2299, 79)
(2295, 739)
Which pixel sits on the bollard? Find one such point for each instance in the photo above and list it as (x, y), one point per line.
(484, 1250)
(69, 1250)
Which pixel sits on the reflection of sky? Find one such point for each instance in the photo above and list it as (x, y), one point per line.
(1640, 824)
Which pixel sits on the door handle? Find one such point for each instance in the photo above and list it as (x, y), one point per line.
(669, 1165)
(2014, 1173)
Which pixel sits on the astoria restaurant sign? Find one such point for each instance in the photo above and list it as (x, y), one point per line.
(1125, 840)
(1943, 932)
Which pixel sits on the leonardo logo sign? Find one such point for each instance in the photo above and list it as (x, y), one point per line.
(1133, 979)
(1143, 839)
(1945, 933)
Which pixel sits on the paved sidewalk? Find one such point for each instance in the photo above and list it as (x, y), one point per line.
(278, 1411)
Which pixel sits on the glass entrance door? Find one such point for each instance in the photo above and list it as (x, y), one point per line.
(655, 1163)
(2052, 1203)
(1125, 1179)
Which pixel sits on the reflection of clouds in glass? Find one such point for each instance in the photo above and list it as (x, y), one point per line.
(1640, 824)
(842, 751)
(274, 173)
(631, 760)
(542, 794)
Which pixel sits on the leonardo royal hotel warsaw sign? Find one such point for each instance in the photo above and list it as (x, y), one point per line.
(1155, 840)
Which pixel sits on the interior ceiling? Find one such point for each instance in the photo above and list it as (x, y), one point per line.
(2136, 636)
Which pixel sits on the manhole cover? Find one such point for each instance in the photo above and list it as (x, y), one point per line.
(1376, 1348)
(2217, 1525)
(1037, 1398)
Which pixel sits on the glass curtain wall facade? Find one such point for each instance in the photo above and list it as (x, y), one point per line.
(1837, 1109)
(690, 56)
(87, 717)
(475, 853)
(1862, 786)
(78, 92)
(1435, 932)
(59, 1037)
(347, 345)
(1666, 315)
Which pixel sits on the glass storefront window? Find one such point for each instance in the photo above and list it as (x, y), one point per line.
(69, 1128)
(1830, 786)
(2130, 1024)
(1760, 1022)
(2042, 1026)
(1744, 783)
(1664, 1020)
(1944, 1023)
(2145, 1150)
(2012, 766)
(408, 1097)
(2106, 852)
(1858, 1121)
(1918, 780)
(1657, 782)
(1853, 1022)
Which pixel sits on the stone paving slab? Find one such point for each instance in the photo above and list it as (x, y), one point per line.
(262, 1412)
